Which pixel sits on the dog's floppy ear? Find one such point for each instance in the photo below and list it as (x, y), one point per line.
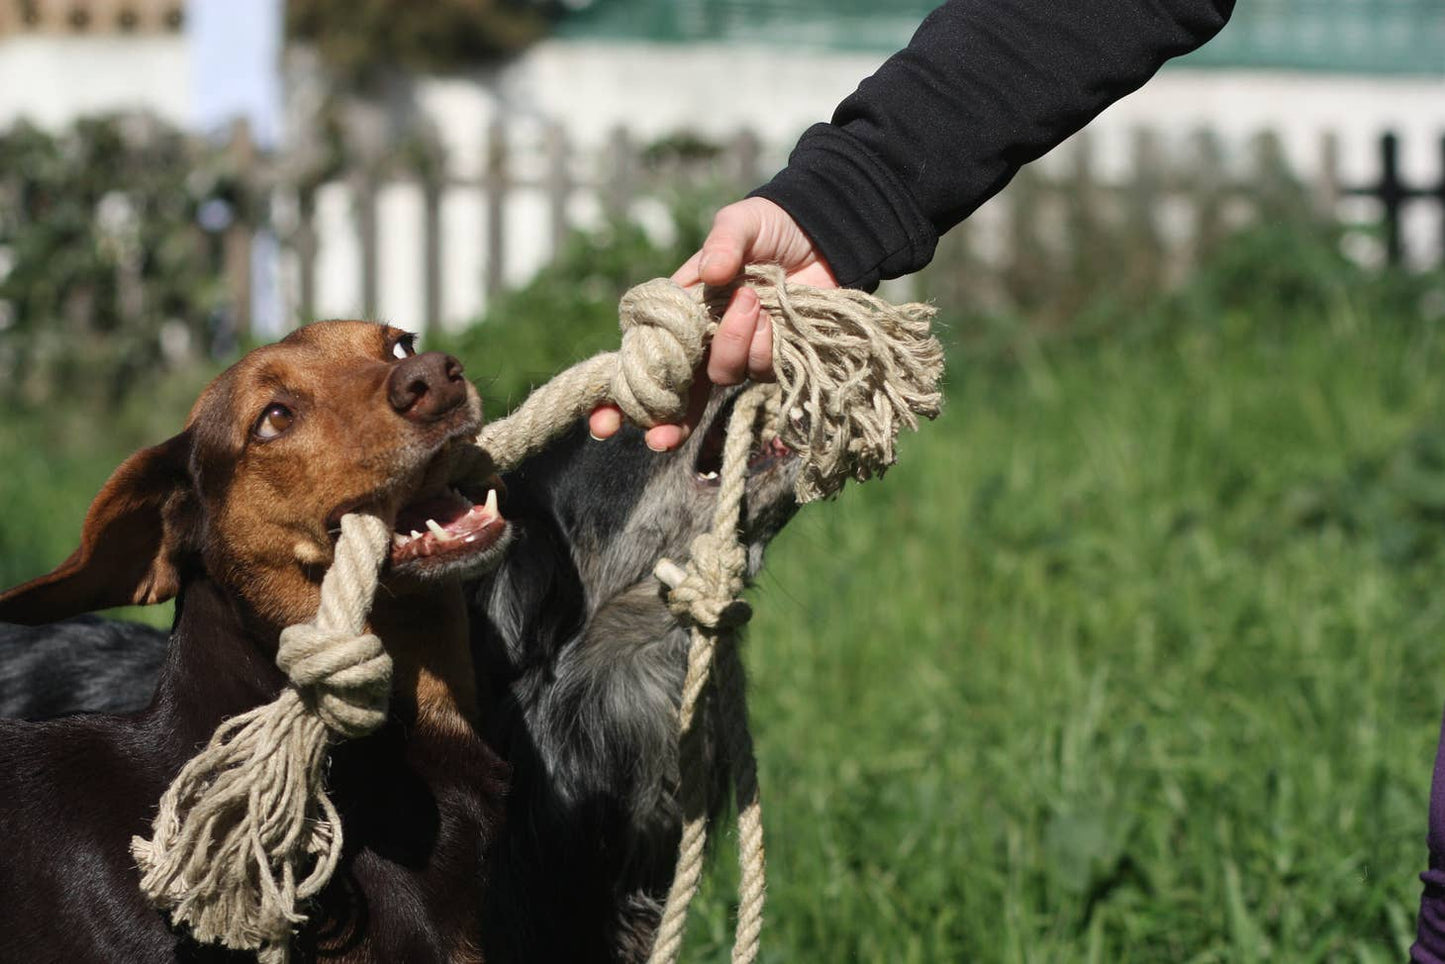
(128, 546)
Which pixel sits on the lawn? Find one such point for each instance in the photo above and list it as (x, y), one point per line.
(1136, 655)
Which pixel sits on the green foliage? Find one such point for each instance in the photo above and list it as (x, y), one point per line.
(1083, 680)
(358, 39)
(57, 457)
(102, 250)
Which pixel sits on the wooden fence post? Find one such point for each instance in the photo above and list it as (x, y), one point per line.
(1327, 179)
(1027, 260)
(431, 195)
(747, 149)
(237, 240)
(617, 193)
(363, 193)
(1141, 209)
(496, 190)
(1391, 192)
(1392, 195)
(1209, 187)
(305, 244)
(1439, 194)
(559, 184)
(1280, 194)
(1086, 236)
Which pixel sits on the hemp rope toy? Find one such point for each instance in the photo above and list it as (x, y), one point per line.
(247, 833)
(707, 593)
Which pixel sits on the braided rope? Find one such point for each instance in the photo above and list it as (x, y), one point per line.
(237, 828)
(246, 833)
(706, 594)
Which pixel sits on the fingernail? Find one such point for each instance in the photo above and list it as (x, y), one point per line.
(656, 448)
(608, 420)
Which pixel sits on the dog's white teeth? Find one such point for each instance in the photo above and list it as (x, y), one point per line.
(709, 475)
(471, 538)
(399, 540)
(491, 503)
(415, 534)
(436, 530)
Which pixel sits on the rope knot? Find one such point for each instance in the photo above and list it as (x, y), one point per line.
(345, 678)
(663, 330)
(713, 581)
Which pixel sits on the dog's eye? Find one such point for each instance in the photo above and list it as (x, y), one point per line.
(405, 347)
(276, 419)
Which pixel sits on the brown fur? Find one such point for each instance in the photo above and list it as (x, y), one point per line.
(242, 527)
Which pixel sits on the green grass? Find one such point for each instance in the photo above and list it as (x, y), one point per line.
(1125, 661)
(54, 461)
(1136, 656)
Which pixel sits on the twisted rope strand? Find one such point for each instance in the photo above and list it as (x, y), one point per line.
(707, 595)
(249, 811)
(692, 797)
(752, 861)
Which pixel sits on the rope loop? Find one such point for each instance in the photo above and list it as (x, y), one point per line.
(343, 677)
(708, 594)
(664, 330)
(246, 832)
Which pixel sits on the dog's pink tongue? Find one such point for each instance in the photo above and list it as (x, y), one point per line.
(445, 508)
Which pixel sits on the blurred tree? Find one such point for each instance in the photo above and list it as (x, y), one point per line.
(352, 68)
(107, 271)
(360, 41)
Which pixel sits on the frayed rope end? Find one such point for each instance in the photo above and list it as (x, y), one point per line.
(854, 371)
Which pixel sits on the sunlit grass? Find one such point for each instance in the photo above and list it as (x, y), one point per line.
(1092, 677)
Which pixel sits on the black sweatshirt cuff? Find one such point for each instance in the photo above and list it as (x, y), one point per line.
(861, 218)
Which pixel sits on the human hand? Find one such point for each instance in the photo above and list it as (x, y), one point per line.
(754, 229)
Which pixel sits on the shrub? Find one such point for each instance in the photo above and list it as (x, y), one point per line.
(103, 263)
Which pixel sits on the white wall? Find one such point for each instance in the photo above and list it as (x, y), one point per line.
(51, 80)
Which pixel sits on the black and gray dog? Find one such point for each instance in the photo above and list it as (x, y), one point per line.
(585, 663)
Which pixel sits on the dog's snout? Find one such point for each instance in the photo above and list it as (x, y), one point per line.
(427, 386)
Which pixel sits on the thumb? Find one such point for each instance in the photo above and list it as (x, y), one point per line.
(735, 230)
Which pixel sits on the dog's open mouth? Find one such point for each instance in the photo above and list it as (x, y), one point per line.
(444, 532)
(763, 455)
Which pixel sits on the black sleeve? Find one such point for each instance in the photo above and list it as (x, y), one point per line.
(984, 87)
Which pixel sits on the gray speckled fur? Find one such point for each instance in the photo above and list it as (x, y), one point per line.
(82, 664)
(588, 713)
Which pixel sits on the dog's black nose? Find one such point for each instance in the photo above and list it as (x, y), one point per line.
(425, 387)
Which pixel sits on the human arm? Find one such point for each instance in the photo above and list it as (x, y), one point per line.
(984, 87)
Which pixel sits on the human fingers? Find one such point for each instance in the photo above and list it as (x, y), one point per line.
(687, 275)
(604, 421)
(816, 274)
(728, 355)
(760, 352)
(735, 229)
(666, 437)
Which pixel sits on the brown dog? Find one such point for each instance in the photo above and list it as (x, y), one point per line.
(236, 517)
